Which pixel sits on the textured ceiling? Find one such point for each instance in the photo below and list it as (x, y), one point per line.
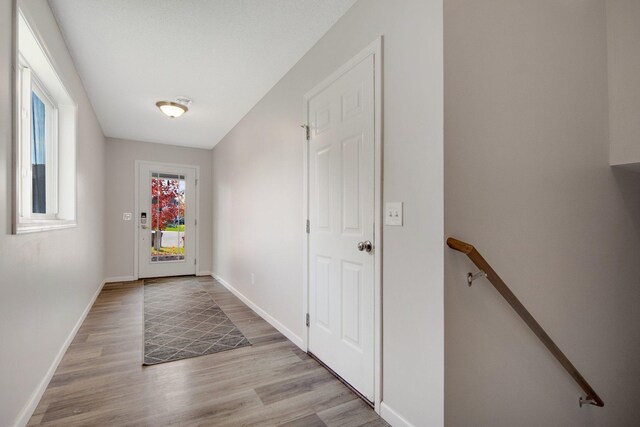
(223, 54)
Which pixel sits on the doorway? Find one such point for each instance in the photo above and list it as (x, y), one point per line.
(343, 212)
(166, 215)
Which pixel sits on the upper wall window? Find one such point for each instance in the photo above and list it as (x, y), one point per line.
(45, 138)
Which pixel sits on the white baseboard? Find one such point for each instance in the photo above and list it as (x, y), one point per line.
(392, 417)
(204, 273)
(266, 316)
(119, 279)
(30, 407)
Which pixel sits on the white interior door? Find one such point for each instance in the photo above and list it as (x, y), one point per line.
(166, 220)
(341, 214)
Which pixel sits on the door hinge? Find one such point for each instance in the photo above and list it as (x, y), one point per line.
(307, 131)
(308, 322)
(308, 228)
(195, 222)
(195, 261)
(196, 182)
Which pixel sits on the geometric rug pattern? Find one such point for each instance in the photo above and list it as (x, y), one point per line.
(181, 320)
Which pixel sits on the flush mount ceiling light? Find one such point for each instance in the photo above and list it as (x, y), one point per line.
(175, 108)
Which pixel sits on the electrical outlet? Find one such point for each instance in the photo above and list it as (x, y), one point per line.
(253, 278)
(393, 214)
(126, 216)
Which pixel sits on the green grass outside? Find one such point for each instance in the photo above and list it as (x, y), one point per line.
(178, 228)
(168, 251)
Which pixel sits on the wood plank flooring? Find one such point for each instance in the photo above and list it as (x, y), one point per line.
(101, 380)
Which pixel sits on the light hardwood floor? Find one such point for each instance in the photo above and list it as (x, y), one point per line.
(101, 380)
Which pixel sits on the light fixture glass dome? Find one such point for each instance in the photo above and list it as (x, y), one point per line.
(172, 109)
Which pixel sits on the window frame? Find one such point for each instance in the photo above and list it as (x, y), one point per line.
(60, 134)
(50, 147)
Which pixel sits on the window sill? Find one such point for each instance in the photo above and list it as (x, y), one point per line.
(36, 226)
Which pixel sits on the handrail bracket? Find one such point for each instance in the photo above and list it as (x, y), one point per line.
(471, 277)
(587, 401)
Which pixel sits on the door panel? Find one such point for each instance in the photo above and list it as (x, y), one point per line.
(341, 215)
(323, 268)
(323, 188)
(351, 302)
(351, 212)
(166, 220)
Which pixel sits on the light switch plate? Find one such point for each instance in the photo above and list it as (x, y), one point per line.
(393, 213)
(126, 216)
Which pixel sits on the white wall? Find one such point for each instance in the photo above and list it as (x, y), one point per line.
(121, 156)
(258, 216)
(527, 180)
(623, 29)
(46, 279)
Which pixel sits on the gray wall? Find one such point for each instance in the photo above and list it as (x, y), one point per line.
(121, 156)
(258, 212)
(46, 279)
(527, 180)
(623, 30)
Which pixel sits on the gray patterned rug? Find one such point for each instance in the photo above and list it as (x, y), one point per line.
(181, 320)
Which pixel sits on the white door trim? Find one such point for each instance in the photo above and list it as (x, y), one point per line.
(374, 49)
(136, 196)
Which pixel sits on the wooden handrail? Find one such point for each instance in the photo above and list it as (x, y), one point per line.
(592, 397)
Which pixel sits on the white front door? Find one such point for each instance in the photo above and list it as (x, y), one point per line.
(166, 220)
(341, 214)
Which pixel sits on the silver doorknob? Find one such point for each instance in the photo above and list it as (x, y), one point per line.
(365, 246)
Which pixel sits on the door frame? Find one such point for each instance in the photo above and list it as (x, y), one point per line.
(375, 49)
(136, 196)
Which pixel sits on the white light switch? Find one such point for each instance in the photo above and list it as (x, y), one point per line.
(393, 213)
(126, 216)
